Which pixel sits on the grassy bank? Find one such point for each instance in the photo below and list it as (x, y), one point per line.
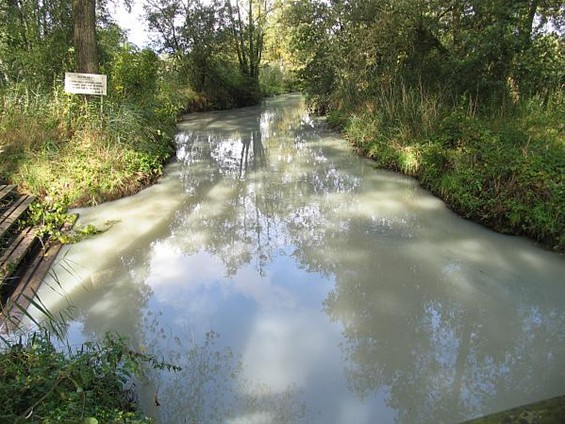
(504, 170)
(80, 152)
(72, 151)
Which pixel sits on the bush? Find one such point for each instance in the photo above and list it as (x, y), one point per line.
(504, 171)
(275, 80)
(134, 74)
(41, 384)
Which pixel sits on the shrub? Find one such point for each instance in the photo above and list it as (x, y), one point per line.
(505, 171)
(42, 384)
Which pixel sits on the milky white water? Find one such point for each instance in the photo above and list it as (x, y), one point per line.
(293, 282)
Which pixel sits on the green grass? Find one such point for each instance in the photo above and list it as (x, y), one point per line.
(83, 153)
(504, 170)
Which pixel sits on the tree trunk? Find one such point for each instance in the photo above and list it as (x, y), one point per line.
(84, 17)
(529, 25)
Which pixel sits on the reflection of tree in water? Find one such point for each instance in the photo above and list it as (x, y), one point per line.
(247, 207)
(210, 387)
(449, 359)
(253, 158)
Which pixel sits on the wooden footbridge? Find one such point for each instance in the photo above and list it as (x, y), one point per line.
(24, 258)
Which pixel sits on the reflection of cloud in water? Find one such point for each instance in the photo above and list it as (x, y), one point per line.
(280, 356)
(171, 270)
(176, 277)
(286, 350)
(211, 387)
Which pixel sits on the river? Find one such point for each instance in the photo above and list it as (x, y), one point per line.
(294, 282)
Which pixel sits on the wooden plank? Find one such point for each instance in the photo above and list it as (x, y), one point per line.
(11, 314)
(16, 252)
(32, 279)
(14, 212)
(5, 190)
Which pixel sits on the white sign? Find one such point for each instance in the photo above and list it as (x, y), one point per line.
(85, 83)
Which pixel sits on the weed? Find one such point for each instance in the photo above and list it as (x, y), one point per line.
(505, 171)
(41, 383)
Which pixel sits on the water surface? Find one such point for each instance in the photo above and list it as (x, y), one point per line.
(294, 282)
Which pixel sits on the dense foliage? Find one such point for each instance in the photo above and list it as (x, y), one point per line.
(468, 96)
(217, 46)
(40, 383)
(488, 52)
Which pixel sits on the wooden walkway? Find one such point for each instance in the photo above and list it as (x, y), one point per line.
(24, 258)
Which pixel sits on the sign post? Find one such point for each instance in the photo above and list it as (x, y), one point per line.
(77, 83)
(93, 84)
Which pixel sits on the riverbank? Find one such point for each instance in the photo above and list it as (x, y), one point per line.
(304, 237)
(504, 173)
(507, 174)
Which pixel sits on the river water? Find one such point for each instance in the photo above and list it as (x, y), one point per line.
(294, 282)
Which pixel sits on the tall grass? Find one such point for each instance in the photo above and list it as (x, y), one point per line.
(388, 125)
(85, 151)
(503, 168)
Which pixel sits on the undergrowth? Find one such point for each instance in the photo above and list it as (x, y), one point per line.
(40, 383)
(503, 169)
(87, 149)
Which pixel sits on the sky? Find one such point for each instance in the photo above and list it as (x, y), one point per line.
(133, 22)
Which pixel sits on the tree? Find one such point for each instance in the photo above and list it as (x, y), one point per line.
(315, 45)
(353, 51)
(218, 46)
(194, 34)
(84, 35)
(34, 40)
(248, 21)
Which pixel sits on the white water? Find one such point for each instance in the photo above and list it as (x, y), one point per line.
(293, 282)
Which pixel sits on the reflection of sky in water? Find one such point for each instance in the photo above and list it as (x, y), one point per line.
(274, 321)
(330, 292)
